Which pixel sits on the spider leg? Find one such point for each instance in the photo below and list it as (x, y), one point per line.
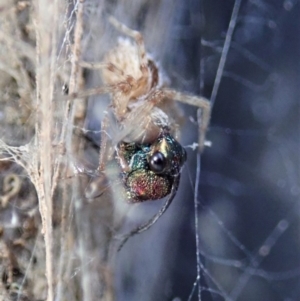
(135, 124)
(109, 66)
(91, 92)
(197, 101)
(138, 124)
(154, 219)
(122, 161)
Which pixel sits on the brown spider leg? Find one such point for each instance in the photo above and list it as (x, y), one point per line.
(197, 101)
(122, 161)
(137, 36)
(91, 92)
(154, 219)
(136, 123)
(125, 79)
(109, 66)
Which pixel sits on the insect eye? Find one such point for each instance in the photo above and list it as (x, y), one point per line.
(157, 162)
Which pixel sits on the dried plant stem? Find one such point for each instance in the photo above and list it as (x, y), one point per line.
(46, 43)
(71, 113)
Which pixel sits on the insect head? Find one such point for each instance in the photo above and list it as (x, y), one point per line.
(149, 170)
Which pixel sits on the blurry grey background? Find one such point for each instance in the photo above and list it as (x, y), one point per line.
(249, 182)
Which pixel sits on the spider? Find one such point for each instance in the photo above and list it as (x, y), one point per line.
(149, 156)
(141, 103)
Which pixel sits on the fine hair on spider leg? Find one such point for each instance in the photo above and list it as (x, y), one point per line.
(154, 219)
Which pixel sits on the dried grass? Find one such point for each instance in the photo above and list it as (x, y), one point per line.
(45, 147)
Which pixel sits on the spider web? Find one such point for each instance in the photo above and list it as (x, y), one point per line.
(249, 246)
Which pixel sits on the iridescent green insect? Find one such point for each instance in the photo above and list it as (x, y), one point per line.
(151, 172)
